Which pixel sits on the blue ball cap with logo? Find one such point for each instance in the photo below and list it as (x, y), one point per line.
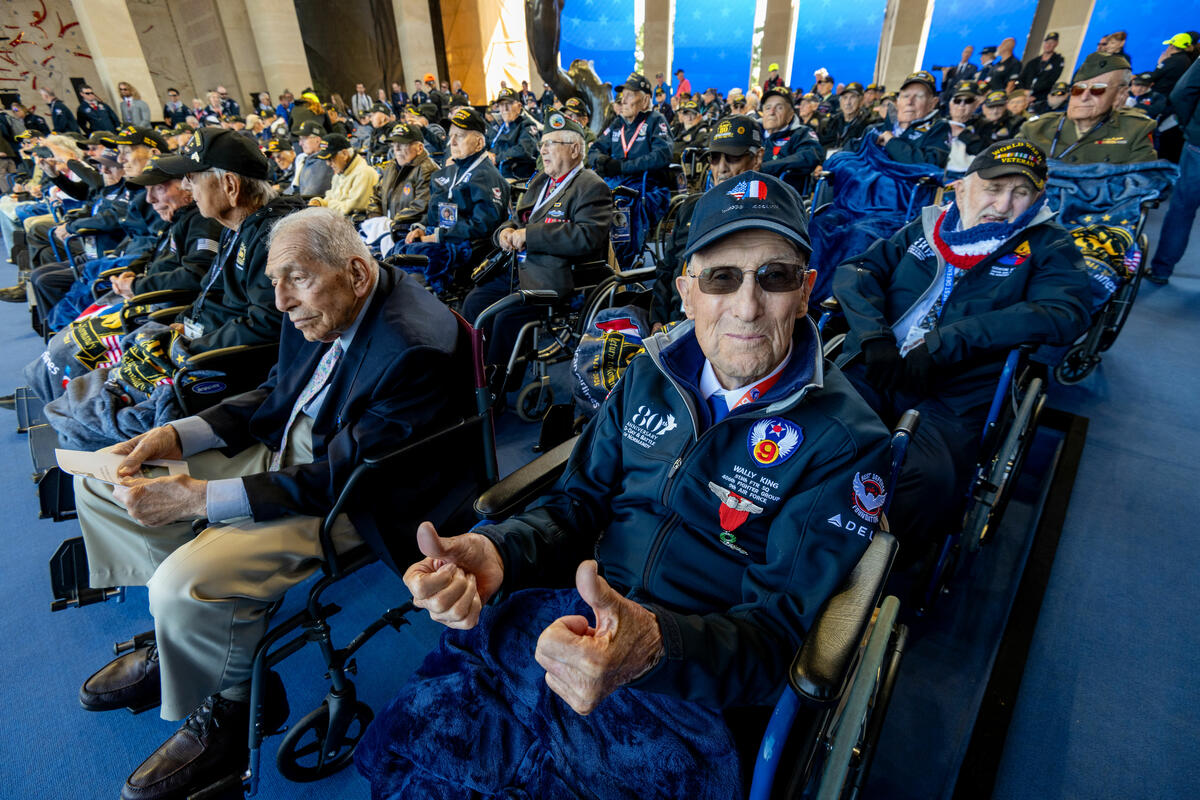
(750, 201)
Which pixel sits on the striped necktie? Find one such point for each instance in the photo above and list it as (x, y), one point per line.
(317, 382)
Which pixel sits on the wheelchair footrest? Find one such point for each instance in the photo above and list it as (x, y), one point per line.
(69, 578)
(29, 409)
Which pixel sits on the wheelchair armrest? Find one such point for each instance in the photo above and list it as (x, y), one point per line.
(515, 491)
(626, 192)
(161, 296)
(831, 304)
(406, 260)
(115, 271)
(822, 667)
(166, 315)
(210, 359)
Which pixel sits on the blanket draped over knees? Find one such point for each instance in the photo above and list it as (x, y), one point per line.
(477, 719)
(106, 406)
(873, 197)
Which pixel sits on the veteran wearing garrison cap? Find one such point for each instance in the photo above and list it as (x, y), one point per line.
(1095, 128)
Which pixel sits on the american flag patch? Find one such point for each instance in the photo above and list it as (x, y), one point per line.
(749, 190)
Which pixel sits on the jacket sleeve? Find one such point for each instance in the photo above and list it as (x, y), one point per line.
(141, 114)
(932, 148)
(802, 153)
(185, 270)
(417, 206)
(77, 190)
(1055, 311)
(584, 232)
(660, 153)
(487, 211)
(258, 323)
(409, 396)
(1185, 94)
(1142, 147)
(737, 657)
(860, 285)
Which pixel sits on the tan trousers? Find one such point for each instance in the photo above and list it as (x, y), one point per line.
(209, 593)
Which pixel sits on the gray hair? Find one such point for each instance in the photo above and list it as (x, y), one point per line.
(324, 235)
(254, 191)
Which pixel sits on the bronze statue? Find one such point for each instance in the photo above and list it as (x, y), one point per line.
(542, 30)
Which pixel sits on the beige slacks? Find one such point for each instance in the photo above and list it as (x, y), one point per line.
(209, 593)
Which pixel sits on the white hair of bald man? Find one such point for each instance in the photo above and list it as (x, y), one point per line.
(325, 235)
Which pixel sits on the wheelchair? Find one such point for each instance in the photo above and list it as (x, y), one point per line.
(1105, 207)
(322, 742)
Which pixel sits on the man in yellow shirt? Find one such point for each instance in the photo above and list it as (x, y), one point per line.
(354, 179)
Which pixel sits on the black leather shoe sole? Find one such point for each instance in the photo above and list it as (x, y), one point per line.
(131, 681)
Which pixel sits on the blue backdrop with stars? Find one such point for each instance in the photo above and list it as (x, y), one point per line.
(840, 35)
(979, 23)
(1147, 24)
(713, 39)
(600, 31)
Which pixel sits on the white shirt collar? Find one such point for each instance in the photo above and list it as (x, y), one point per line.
(709, 385)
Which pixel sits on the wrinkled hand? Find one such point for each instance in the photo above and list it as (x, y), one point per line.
(176, 326)
(885, 137)
(919, 371)
(517, 239)
(458, 575)
(414, 235)
(160, 442)
(883, 363)
(585, 664)
(61, 233)
(505, 239)
(157, 501)
(123, 284)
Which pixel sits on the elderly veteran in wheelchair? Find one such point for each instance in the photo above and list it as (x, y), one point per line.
(561, 220)
(365, 360)
(934, 310)
(597, 637)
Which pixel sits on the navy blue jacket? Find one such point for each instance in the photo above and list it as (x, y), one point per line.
(925, 141)
(1183, 99)
(100, 118)
(61, 118)
(653, 485)
(1032, 289)
(481, 199)
(392, 382)
(650, 152)
(515, 146)
(795, 149)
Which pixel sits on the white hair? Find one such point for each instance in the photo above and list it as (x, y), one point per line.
(323, 234)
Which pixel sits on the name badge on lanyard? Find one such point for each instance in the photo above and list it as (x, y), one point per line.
(192, 329)
(447, 215)
(626, 146)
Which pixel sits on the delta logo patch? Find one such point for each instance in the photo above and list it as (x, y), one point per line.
(869, 496)
(773, 440)
(749, 190)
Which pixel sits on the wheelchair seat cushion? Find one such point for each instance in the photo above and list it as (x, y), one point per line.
(477, 716)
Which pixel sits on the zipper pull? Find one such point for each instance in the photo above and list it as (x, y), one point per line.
(674, 467)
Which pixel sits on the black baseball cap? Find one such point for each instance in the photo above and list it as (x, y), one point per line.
(145, 137)
(922, 77)
(310, 128)
(735, 135)
(557, 121)
(1144, 79)
(777, 91)
(155, 173)
(331, 145)
(277, 145)
(1062, 87)
(381, 108)
(405, 134)
(505, 94)
(577, 105)
(468, 119)
(690, 106)
(994, 99)
(876, 87)
(1012, 157)
(853, 86)
(103, 138)
(107, 157)
(811, 96)
(966, 87)
(987, 51)
(749, 201)
(1052, 35)
(428, 111)
(223, 149)
(638, 81)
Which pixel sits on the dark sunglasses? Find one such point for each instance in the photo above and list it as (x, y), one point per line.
(770, 278)
(963, 101)
(1097, 89)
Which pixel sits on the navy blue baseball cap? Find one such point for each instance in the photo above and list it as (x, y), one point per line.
(749, 201)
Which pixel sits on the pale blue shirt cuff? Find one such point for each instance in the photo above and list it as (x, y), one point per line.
(226, 499)
(195, 436)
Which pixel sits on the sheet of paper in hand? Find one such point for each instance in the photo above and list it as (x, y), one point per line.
(103, 466)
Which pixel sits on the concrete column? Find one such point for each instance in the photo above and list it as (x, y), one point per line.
(779, 38)
(113, 41)
(414, 32)
(1070, 19)
(247, 70)
(280, 47)
(902, 42)
(461, 27)
(658, 38)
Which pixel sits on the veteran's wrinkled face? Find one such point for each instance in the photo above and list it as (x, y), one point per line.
(986, 200)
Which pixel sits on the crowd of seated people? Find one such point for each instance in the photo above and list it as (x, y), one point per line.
(332, 235)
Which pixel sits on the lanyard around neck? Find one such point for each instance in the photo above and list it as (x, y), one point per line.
(548, 195)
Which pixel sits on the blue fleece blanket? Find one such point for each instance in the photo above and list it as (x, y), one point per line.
(873, 197)
(477, 720)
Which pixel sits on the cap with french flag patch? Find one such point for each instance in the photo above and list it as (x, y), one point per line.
(749, 201)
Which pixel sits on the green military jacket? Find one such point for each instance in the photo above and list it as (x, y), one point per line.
(1123, 138)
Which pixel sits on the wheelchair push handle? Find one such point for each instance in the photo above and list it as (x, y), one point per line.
(909, 421)
(521, 297)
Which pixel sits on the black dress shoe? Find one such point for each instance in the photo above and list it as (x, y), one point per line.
(211, 743)
(129, 681)
(14, 294)
(8, 401)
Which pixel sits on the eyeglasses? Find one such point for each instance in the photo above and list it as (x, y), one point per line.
(716, 157)
(1096, 89)
(963, 101)
(776, 277)
(546, 144)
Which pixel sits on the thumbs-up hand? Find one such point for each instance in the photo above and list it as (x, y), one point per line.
(585, 664)
(457, 576)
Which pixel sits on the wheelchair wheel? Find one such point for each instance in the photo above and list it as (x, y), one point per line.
(304, 755)
(1077, 364)
(534, 400)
